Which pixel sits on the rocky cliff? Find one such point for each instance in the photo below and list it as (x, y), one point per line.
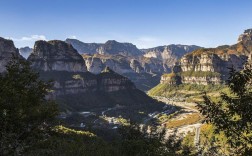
(144, 67)
(144, 72)
(211, 65)
(7, 51)
(169, 54)
(76, 88)
(56, 56)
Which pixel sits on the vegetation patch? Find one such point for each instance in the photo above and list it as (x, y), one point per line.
(190, 119)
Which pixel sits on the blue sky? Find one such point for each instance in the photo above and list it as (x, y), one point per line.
(145, 23)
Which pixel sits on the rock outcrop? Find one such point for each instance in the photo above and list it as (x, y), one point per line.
(56, 56)
(246, 36)
(25, 51)
(169, 54)
(211, 66)
(144, 72)
(110, 81)
(7, 52)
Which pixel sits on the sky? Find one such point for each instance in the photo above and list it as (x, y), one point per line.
(145, 23)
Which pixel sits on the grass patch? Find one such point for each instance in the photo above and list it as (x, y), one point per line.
(190, 119)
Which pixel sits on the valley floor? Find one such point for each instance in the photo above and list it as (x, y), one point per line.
(187, 119)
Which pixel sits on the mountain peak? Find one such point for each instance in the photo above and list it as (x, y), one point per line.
(246, 36)
(56, 55)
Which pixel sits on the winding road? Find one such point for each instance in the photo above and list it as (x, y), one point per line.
(188, 108)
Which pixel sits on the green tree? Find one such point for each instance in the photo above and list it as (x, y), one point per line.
(25, 114)
(232, 114)
(152, 141)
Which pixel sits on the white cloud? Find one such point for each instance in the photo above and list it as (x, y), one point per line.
(27, 40)
(30, 38)
(72, 37)
(146, 42)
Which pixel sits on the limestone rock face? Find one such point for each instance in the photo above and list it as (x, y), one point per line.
(246, 36)
(7, 51)
(203, 80)
(60, 61)
(94, 65)
(211, 65)
(56, 56)
(169, 54)
(143, 66)
(110, 81)
(74, 88)
(136, 66)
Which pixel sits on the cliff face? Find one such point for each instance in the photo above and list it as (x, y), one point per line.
(143, 66)
(109, 81)
(211, 66)
(77, 87)
(56, 56)
(169, 54)
(144, 72)
(7, 51)
(74, 88)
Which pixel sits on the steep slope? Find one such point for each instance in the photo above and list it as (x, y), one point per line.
(56, 56)
(208, 66)
(169, 54)
(144, 72)
(7, 51)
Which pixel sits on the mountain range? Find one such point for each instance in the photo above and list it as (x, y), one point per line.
(143, 66)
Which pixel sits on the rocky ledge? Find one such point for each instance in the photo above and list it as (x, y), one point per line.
(56, 56)
(211, 65)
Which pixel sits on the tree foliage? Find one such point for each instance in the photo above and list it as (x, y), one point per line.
(137, 140)
(25, 114)
(232, 114)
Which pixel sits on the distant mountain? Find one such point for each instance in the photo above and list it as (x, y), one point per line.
(25, 51)
(169, 54)
(111, 47)
(84, 48)
(211, 65)
(143, 66)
